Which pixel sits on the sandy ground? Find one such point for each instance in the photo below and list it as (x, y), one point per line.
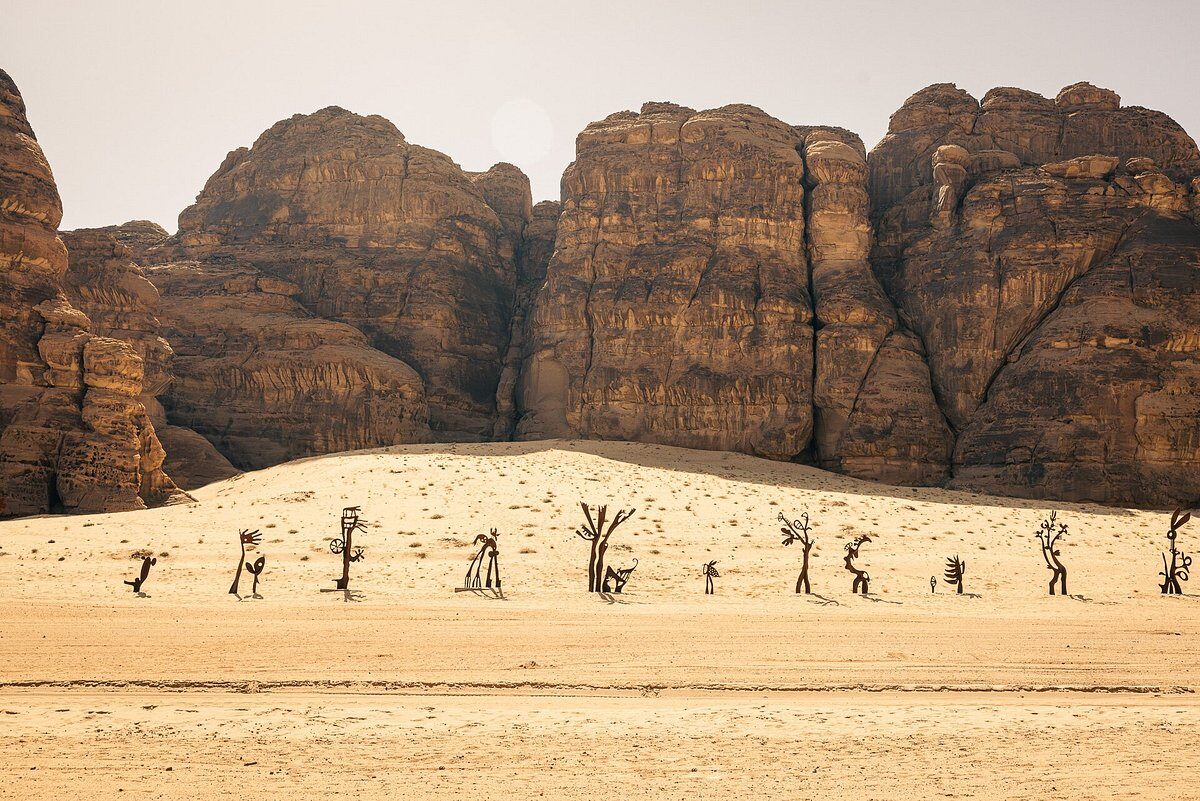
(411, 690)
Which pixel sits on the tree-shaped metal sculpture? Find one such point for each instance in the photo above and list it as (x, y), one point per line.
(1177, 569)
(1049, 537)
(256, 570)
(595, 533)
(245, 537)
(710, 573)
(344, 545)
(799, 530)
(861, 579)
(956, 569)
(147, 563)
(489, 551)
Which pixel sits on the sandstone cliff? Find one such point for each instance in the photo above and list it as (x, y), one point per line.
(74, 434)
(1044, 252)
(390, 238)
(104, 282)
(679, 303)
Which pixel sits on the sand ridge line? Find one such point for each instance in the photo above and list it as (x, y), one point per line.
(569, 689)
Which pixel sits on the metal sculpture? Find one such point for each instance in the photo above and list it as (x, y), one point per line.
(256, 570)
(933, 584)
(1048, 537)
(799, 530)
(489, 551)
(618, 577)
(710, 573)
(861, 579)
(595, 533)
(345, 544)
(245, 537)
(956, 569)
(147, 563)
(1177, 569)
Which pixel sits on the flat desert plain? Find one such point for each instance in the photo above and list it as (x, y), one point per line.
(409, 689)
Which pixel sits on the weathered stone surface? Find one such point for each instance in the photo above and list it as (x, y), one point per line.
(32, 257)
(676, 306)
(265, 381)
(74, 434)
(1052, 372)
(533, 257)
(386, 236)
(876, 416)
(104, 282)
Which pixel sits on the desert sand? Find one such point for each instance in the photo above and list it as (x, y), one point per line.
(412, 690)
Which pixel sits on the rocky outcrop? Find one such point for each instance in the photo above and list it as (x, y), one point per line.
(876, 416)
(32, 257)
(676, 305)
(1045, 256)
(679, 303)
(104, 282)
(390, 238)
(266, 381)
(75, 434)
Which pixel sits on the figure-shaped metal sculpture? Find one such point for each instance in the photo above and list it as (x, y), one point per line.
(794, 530)
(710, 573)
(933, 584)
(1048, 537)
(245, 537)
(345, 544)
(861, 579)
(618, 577)
(956, 569)
(595, 533)
(147, 562)
(488, 551)
(256, 570)
(1177, 569)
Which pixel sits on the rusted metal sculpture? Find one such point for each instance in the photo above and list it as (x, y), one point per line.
(595, 533)
(710, 573)
(489, 551)
(256, 570)
(245, 537)
(147, 563)
(861, 579)
(1048, 537)
(618, 578)
(799, 530)
(345, 544)
(956, 569)
(1177, 569)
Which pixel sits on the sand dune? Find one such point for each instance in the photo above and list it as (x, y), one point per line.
(414, 690)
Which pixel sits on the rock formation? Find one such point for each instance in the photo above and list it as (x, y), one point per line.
(1004, 295)
(75, 434)
(679, 303)
(676, 306)
(104, 282)
(1045, 254)
(266, 381)
(876, 416)
(385, 236)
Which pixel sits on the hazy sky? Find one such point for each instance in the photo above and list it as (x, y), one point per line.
(137, 103)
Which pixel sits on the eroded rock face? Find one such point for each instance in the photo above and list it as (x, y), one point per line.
(1045, 253)
(75, 434)
(105, 282)
(676, 305)
(266, 381)
(876, 416)
(385, 236)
